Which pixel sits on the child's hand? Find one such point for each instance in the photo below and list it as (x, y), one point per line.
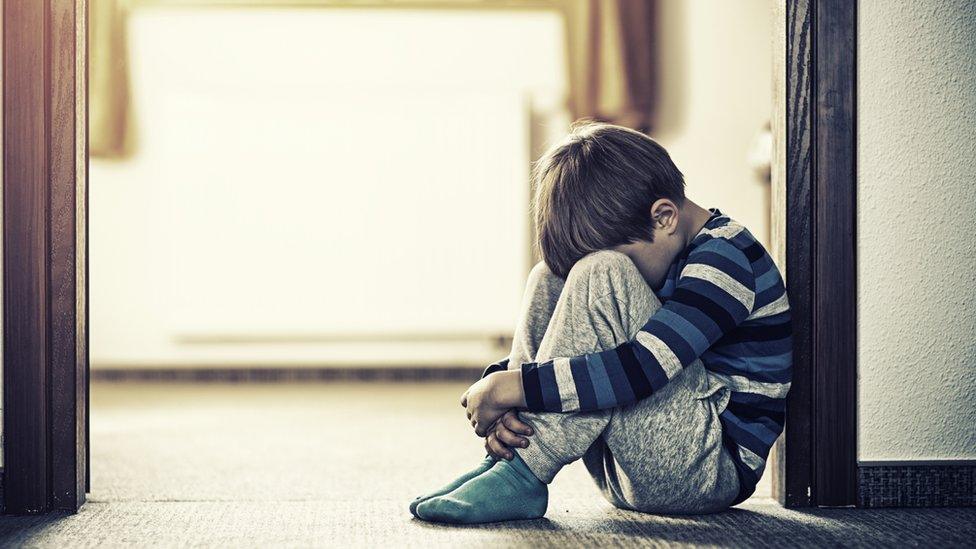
(492, 396)
(504, 435)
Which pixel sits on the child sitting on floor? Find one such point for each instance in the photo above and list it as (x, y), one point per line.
(654, 342)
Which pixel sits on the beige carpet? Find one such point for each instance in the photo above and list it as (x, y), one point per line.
(328, 464)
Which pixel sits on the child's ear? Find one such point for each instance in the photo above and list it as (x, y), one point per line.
(664, 215)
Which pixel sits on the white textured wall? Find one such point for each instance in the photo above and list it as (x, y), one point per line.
(916, 245)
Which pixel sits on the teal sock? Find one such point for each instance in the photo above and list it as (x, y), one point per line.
(450, 487)
(507, 491)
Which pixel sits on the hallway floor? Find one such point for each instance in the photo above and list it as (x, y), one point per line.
(335, 464)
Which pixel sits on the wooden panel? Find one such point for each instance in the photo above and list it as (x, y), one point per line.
(799, 241)
(777, 208)
(81, 237)
(835, 290)
(820, 466)
(67, 372)
(44, 306)
(25, 259)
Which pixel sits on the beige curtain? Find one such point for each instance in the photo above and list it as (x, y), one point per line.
(611, 52)
(108, 102)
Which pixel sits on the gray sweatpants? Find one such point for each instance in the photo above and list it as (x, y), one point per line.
(663, 454)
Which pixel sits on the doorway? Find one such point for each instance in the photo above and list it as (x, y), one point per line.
(802, 14)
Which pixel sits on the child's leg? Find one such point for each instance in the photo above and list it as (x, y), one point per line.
(640, 455)
(604, 303)
(542, 290)
(663, 453)
(592, 312)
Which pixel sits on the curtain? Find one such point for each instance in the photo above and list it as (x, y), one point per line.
(108, 79)
(611, 53)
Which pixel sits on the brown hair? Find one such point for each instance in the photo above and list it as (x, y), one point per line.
(594, 191)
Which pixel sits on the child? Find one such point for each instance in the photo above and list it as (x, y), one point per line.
(654, 342)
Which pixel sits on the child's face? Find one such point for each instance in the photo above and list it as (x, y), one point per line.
(651, 258)
(654, 258)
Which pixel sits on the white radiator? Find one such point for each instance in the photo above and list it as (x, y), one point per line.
(320, 187)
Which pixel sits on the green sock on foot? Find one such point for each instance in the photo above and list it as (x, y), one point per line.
(507, 491)
(450, 487)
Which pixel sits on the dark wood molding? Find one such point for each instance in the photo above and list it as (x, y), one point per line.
(821, 460)
(835, 272)
(25, 261)
(797, 477)
(44, 258)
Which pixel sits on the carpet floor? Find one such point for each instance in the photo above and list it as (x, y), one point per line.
(335, 464)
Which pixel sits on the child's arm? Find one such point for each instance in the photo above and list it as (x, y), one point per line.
(714, 294)
(499, 366)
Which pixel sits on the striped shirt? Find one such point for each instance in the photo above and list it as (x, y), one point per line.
(723, 301)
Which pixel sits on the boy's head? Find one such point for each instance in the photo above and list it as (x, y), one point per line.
(602, 187)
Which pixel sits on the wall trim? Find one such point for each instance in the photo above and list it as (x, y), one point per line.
(286, 375)
(916, 462)
(923, 483)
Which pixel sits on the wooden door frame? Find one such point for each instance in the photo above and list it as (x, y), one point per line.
(820, 466)
(45, 305)
(45, 269)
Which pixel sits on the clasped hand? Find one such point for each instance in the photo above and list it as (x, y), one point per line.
(492, 407)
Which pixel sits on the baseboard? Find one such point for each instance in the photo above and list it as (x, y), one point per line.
(286, 375)
(930, 483)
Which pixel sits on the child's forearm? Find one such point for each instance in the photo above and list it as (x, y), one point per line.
(507, 391)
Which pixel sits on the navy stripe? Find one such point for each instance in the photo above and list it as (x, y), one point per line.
(682, 349)
(748, 412)
(754, 251)
(584, 385)
(618, 379)
(770, 295)
(531, 388)
(635, 374)
(759, 401)
(744, 438)
(747, 478)
(706, 325)
(769, 348)
(499, 366)
(763, 265)
(550, 390)
(753, 334)
(652, 369)
(721, 317)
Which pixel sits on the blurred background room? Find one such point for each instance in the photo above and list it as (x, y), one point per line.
(309, 219)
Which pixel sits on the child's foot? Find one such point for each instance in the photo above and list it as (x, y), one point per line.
(481, 468)
(507, 491)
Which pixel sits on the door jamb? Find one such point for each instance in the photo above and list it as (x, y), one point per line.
(45, 267)
(821, 250)
(45, 331)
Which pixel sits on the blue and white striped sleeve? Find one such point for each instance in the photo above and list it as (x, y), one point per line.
(714, 293)
(499, 366)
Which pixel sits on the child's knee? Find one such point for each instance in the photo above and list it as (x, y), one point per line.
(541, 273)
(600, 263)
(605, 272)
